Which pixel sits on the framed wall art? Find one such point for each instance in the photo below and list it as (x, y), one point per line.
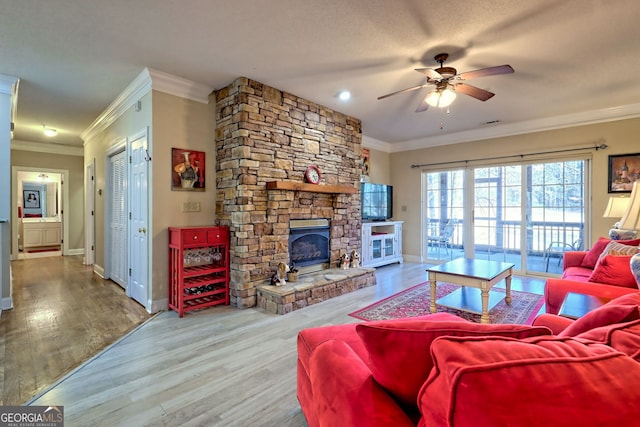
(365, 164)
(31, 199)
(624, 169)
(187, 170)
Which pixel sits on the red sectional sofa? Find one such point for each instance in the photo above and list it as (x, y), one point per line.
(441, 370)
(579, 267)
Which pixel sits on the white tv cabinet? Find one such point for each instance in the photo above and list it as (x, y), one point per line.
(381, 243)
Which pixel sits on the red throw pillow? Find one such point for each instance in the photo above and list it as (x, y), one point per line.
(543, 381)
(591, 258)
(618, 310)
(614, 270)
(399, 350)
(349, 396)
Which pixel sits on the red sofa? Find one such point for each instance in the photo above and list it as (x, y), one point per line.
(578, 267)
(441, 370)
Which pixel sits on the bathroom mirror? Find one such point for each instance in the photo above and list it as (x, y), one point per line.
(39, 199)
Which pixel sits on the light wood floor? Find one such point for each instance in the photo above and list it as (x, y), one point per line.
(63, 314)
(217, 367)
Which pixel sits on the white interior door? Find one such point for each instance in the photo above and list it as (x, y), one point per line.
(117, 253)
(139, 220)
(89, 215)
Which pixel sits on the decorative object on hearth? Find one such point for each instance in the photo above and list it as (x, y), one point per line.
(280, 276)
(624, 170)
(447, 82)
(355, 259)
(312, 175)
(292, 275)
(344, 261)
(630, 222)
(188, 170)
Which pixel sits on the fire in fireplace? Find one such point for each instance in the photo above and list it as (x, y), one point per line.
(309, 242)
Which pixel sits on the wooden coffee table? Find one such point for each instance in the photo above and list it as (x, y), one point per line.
(577, 305)
(474, 273)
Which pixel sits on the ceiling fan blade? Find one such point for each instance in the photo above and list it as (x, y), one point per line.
(430, 72)
(423, 105)
(483, 72)
(474, 92)
(409, 89)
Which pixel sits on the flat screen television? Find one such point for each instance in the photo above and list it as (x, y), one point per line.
(377, 201)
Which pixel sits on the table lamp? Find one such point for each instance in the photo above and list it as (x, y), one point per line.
(630, 222)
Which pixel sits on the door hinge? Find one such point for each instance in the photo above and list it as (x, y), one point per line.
(129, 272)
(130, 161)
(92, 247)
(129, 215)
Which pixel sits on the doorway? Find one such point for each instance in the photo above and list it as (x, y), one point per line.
(39, 227)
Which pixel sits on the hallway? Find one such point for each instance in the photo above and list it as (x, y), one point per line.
(63, 315)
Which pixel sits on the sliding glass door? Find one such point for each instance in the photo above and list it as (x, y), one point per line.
(526, 214)
(444, 222)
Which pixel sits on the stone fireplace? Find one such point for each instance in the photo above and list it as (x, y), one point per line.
(265, 139)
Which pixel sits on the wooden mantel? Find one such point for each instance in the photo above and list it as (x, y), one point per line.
(311, 188)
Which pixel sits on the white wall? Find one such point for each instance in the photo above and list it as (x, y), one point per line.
(7, 86)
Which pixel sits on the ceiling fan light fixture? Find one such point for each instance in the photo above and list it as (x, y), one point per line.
(441, 98)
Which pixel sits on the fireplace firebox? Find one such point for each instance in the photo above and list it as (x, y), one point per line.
(309, 243)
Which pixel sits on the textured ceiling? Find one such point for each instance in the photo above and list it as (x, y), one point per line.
(574, 60)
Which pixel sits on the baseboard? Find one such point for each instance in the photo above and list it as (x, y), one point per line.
(98, 270)
(72, 252)
(158, 305)
(7, 303)
(412, 258)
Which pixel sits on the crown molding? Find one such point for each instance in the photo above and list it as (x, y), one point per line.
(174, 85)
(7, 84)
(530, 126)
(376, 144)
(147, 80)
(43, 147)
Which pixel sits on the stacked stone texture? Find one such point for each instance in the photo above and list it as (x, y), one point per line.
(262, 135)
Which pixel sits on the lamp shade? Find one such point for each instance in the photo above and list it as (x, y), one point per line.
(631, 218)
(616, 207)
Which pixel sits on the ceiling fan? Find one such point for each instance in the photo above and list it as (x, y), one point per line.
(447, 82)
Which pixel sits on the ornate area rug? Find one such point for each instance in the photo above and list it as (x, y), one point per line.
(414, 302)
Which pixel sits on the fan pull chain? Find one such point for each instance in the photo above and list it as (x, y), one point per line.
(442, 117)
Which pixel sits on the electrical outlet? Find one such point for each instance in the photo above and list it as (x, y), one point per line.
(191, 207)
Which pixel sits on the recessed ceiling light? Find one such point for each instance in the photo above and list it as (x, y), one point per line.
(49, 131)
(344, 95)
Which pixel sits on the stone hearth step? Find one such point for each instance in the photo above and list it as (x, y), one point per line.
(313, 288)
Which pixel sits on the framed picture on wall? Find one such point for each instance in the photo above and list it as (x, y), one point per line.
(31, 199)
(365, 164)
(624, 169)
(187, 170)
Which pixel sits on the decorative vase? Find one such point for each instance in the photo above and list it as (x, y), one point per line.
(292, 276)
(188, 175)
